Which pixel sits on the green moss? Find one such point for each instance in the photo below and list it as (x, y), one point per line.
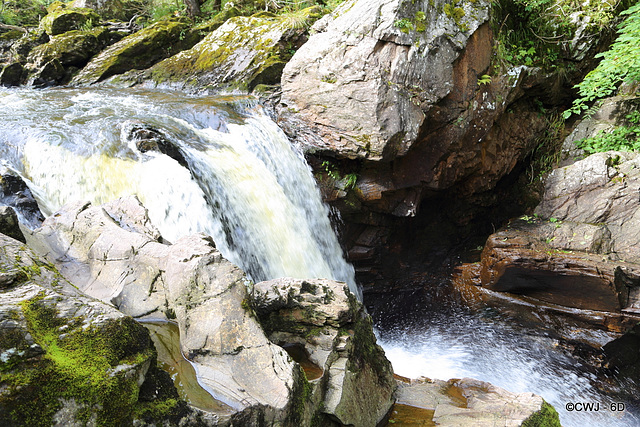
(61, 18)
(78, 365)
(547, 416)
(300, 396)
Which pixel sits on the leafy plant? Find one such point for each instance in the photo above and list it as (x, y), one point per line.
(484, 79)
(621, 138)
(621, 63)
(404, 25)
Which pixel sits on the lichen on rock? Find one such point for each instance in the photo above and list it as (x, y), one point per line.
(139, 50)
(61, 18)
(242, 53)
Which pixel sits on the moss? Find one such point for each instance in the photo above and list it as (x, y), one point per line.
(61, 18)
(300, 396)
(78, 365)
(547, 416)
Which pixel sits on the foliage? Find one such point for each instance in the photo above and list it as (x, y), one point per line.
(621, 138)
(621, 63)
(539, 32)
(484, 79)
(348, 181)
(23, 12)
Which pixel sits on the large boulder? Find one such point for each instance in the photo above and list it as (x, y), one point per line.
(65, 357)
(71, 50)
(331, 329)
(113, 253)
(386, 63)
(242, 53)
(62, 18)
(580, 248)
(139, 50)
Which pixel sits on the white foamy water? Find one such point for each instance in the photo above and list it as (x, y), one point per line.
(245, 184)
(459, 344)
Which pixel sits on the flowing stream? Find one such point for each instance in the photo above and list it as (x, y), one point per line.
(244, 184)
(241, 181)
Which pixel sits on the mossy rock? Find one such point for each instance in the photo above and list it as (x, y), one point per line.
(547, 416)
(61, 19)
(73, 48)
(215, 22)
(12, 74)
(65, 358)
(242, 53)
(140, 50)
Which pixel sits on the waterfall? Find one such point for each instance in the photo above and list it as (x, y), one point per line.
(239, 179)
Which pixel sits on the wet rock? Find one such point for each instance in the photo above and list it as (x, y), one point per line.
(356, 383)
(73, 356)
(9, 224)
(623, 354)
(12, 74)
(15, 193)
(146, 138)
(62, 18)
(242, 53)
(139, 50)
(469, 402)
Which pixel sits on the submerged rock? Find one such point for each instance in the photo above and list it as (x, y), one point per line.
(469, 402)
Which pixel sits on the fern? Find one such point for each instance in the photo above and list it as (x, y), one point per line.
(619, 64)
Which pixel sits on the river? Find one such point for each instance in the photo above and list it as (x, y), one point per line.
(243, 183)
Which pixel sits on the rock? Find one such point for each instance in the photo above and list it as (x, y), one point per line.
(7, 39)
(21, 48)
(9, 224)
(73, 48)
(65, 357)
(518, 260)
(12, 74)
(112, 252)
(15, 193)
(356, 385)
(139, 50)
(623, 354)
(146, 138)
(386, 63)
(469, 402)
(242, 53)
(122, 10)
(62, 18)
(602, 189)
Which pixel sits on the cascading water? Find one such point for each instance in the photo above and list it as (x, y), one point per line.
(443, 338)
(245, 184)
(254, 194)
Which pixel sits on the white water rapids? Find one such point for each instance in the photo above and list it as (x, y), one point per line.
(246, 185)
(253, 193)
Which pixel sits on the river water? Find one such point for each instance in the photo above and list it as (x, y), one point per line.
(245, 185)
